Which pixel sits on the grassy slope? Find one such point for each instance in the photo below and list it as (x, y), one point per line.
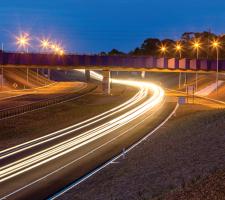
(35, 124)
(211, 187)
(191, 145)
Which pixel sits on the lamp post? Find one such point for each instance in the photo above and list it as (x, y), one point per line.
(178, 48)
(163, 50)
(216, 45)
(23, 42)
(196, 46)
(44, 44)
(2, 80)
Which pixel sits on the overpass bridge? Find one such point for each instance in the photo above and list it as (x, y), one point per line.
(112, 63)
(108, 63)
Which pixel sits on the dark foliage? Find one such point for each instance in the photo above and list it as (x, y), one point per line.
(151, 46)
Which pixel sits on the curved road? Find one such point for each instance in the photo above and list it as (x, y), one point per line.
(42, 166)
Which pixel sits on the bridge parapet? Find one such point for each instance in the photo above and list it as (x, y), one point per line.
(124, 62)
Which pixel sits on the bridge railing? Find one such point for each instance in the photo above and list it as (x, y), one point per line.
(18, 110)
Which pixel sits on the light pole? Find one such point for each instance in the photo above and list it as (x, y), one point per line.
(2, 81)
(44, 44)
(178, 48)
(216, 45)
(163, 50)
(196, 46)
(23, 41)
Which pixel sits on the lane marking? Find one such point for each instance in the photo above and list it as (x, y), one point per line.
(92, 151)
(113, 160)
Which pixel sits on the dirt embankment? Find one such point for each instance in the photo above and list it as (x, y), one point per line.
(211, 187)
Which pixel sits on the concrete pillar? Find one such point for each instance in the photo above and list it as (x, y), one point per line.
(106, 82)
(27, 75)
(37, 73)
(87, 75)
(2, 77)
(143, 74)
(49, 74)
(196, 81)
(179, 80)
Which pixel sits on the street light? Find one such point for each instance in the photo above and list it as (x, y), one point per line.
(57, 49)
(44, 44)
(61, 52)
(163, 49)
(178, 48)
(23, 41)
(196, 46)
(215, 44)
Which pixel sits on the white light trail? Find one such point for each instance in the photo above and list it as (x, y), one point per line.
(25, 164)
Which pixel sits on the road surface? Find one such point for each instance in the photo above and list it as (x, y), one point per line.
(42, 166)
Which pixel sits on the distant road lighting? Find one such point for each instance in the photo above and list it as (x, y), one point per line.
(61, 52)
(178, 48)
(45, 44)
(53, 47)
(163, 50)
(23, 41)
(196, 46)
(216, 45)
(57, 49)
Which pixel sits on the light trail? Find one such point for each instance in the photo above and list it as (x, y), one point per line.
(47, 138)
(30, 162)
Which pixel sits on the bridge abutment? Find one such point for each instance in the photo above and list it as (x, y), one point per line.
(106, 82)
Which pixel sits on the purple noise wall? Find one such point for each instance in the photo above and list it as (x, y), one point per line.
(111, 61)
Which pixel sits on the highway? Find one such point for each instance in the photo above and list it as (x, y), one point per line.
(54, 160)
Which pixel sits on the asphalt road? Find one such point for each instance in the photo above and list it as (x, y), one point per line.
(25, 97)
(39, 168)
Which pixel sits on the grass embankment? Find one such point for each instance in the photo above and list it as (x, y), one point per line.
(189, 147)
(211, 187)
(38, 123)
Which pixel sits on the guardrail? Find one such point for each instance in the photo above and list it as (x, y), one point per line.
(19, 110)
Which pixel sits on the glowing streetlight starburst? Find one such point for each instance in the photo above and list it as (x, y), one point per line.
(53, 46)
(196, 44)
(163, 49)
(23, 40)
(215, 44)
(45, 43)
(61, 52)
(178, 47)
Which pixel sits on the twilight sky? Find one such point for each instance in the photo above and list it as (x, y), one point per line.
(100, 25)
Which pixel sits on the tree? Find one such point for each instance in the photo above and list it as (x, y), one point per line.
(150, 46)
(115, 52)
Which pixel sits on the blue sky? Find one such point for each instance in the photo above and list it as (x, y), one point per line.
(100, 25)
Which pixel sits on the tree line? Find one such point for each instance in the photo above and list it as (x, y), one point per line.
(151, 46)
